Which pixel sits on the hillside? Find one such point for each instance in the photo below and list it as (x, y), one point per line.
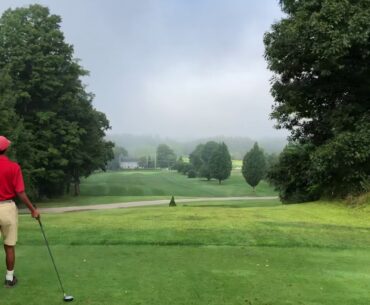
(141, 145)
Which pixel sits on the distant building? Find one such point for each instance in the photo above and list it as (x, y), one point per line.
(128, 163)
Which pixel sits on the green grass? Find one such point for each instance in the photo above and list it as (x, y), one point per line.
(244, 252)
(164, 183)
(140, 185)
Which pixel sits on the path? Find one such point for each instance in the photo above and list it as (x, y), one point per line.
(121, 205)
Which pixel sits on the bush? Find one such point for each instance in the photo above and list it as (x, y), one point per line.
(192, 173)
(292, 175)
(186, 168)
(342, 166)
(172, 202)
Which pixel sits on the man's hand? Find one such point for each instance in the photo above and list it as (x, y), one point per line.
(35, 214)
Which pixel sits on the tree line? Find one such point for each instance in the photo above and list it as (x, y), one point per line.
(213, 161)
(57, 135)
(210, 160)
(319, 53)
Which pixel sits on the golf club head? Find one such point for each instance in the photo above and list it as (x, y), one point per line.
(68, 298)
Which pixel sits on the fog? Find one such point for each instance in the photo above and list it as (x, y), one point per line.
(179, 69)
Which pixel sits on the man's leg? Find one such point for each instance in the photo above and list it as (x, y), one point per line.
(9, 231)
(10, 257)
(10, 279)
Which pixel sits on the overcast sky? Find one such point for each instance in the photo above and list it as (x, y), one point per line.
(177, 68)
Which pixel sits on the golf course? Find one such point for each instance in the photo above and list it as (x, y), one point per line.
(124, 186)
(256, 252)
(185, 152)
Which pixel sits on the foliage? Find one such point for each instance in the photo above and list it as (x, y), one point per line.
(192, 173)
(200, 159)
(342, 165)
(220, 163)
(179, 164)
(57, 134)
(320, 56)
(209, 149)
(195, 158)
(185, 168)
(146, 162)
(271, 160)
(143, 145)
(254, 166)
(292, 174)
(166, 157)
(172, 202)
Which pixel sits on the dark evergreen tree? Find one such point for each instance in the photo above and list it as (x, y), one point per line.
(172, 202)
(220, 163)
(195, 158)
(206, 154)
(254, 166)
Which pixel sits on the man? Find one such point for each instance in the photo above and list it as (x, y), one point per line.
(11, 185)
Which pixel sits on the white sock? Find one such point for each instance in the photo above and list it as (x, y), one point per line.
(9, 275)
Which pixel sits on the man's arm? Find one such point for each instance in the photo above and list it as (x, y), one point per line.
(23, 196)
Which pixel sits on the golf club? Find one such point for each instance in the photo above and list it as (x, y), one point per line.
(66, 298)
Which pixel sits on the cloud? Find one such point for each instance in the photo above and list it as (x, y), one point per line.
(174, 68)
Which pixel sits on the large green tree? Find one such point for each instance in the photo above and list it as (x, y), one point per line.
(254, 166)
(320, 55)
(195, 158)
(220, 164)
(201, 157)
(58, 135)
(206, 154)
(166, 158)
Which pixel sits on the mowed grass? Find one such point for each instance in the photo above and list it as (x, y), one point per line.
(244, 252)
(166, 183)
(139, 185)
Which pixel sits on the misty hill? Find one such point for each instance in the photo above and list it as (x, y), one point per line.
(142, 145)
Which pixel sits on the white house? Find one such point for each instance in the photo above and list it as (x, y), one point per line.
(128, 163)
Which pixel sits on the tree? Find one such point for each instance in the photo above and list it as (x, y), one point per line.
(172, 202)
(342, 165)
(195, 158)
(206, 154)
(319, 54)
(220, 163)
(271, 160)
(179, 164)
(292, 175)
(58, 135)
(166, 157)
(200, 158)
(254, 166)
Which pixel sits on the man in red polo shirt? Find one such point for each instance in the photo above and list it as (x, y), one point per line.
(11, 185)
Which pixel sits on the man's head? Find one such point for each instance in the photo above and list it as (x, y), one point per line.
(4, 144)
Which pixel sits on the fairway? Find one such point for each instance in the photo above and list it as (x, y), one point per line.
(139, 185)
(259, 253)
(166, 183)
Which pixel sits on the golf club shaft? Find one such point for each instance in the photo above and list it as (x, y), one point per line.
(51, 255)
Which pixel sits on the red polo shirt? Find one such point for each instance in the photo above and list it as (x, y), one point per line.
(11, 179)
